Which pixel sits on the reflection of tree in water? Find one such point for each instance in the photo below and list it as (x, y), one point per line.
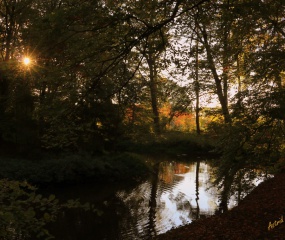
(235, 185)
(174, 196)
(152, 201)
(197, 189)
(245, 181)
(182, 202)
(167, 171)
(76, 224)
(195, 212)
(141, 205)
(187, 211)
(133, 211)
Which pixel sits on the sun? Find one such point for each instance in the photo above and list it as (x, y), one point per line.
(27, 61)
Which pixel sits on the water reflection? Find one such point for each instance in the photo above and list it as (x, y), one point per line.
(176, 194)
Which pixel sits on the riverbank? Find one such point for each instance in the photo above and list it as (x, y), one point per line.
(260, 216)
(74, 168)
(125, 163)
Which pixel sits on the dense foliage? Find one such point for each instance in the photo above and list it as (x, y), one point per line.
(25, 214)
(103, 73)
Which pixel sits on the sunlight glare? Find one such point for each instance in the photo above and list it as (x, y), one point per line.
(27, 61)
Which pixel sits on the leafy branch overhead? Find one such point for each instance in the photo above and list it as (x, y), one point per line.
(102, 71)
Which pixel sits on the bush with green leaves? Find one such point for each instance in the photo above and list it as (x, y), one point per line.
(24, 214)
(74, 168)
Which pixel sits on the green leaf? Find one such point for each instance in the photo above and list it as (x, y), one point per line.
(51, 197)
(47, 217)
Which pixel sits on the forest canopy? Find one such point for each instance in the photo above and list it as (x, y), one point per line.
(97, 72)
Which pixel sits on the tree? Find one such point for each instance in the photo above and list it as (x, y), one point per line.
(16, 103)
(254, 138)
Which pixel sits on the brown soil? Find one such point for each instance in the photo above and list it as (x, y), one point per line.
(251, 220)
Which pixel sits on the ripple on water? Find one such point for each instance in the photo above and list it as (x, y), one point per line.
(173, 198)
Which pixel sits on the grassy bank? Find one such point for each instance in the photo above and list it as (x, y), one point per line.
(74, 168)
(125, 163)
(170, 144)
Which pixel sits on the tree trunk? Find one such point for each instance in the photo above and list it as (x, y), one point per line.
(218, 83)
(3, 101)
(4, 83)
(239, 82)
(197, 92)
(10, 27)
(153, 93)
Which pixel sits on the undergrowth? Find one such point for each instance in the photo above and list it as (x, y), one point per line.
(74, 168)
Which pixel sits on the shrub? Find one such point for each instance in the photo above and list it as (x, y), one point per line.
(24, 213)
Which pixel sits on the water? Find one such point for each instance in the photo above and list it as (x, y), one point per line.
(177, 194)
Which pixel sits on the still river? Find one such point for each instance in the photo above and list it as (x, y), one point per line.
(178, 193)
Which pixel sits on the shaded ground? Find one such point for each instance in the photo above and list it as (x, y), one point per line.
(249, 221)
